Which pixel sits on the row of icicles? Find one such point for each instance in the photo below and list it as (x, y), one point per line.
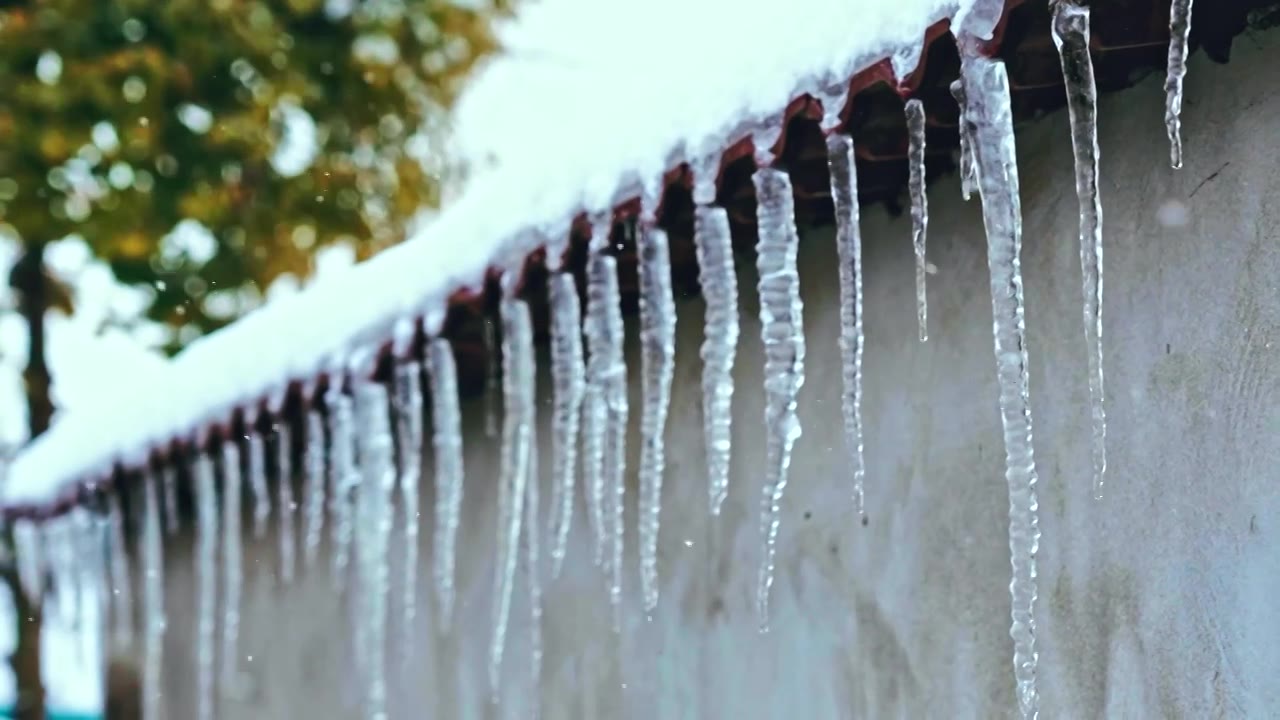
(367, 444)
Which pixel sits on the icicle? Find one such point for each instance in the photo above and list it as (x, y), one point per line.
(595, 400)
(288, 508)
(258, 484)
(517, 429)
(658, 360)
(409, 433)
(374, 512)
(568, 378)
(313, 489)
(85, 564)
(446, 441)
(1071, 35)
(153, 613)
(206, 583)
(1179, 32)
(344, 477)
(121, 578)
(533, 567)
(607, 398)
(170, 489)
(30, 560)
(844, 191)
(919, 207)
(719, 282)
(232, 565)
(493, 379)
(968, 171)
(781, 312)
(990, 119)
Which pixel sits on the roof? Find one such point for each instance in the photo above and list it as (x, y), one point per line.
(567, 139)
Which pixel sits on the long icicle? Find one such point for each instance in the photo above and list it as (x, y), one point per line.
(409, 428)
(206, 584)
(232, 566)
(1071, 35)
(607, 371)
(374, 514)
(170, 491)
(568, 380)
(1179, 34)
(782, 329)
(344, 477)
(121, 577)
(533, 564)
(29, 553)
(844, 192)
(313, 492)
(517, 428)
(288, 509)
(968, 171)
(658, 363)
(719, 281)
(919, 208)
(595, 400)
(990, 119)
(153, 611)
(446, 441)
(258, 484)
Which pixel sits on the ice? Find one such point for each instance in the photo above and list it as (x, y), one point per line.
(919, 207)
(568, 379)
(91, 551)
(374, 517)
(1179, 32)
(153, 613)
(533, 570)
(206, 583)
(232, 564)
(170, 490)
(714, 248)
(287, 507)
(968, 171)
(781, 312)
(28, 549)
(607, 409)
(844, 192)
(313, 489)
(493, 377)
(657, 367)
(517, 431)
(344, 478)
(446, 441)
(121, 577)
(602, 293)
(258, 484)
(1071, 35)
(409, 422)
(990, 120)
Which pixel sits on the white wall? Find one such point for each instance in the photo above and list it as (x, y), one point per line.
(1154, 602)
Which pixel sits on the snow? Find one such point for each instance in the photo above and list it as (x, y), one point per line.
(579, 144)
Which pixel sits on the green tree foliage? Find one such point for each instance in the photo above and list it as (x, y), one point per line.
(119, 119)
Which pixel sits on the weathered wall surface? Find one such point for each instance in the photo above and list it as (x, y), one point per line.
(1154, 602)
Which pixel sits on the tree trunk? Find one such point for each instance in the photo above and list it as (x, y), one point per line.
(29, 279)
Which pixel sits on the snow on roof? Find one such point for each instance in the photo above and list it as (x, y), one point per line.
(593, 100)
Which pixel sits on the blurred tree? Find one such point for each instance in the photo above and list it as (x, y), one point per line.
(206, 147)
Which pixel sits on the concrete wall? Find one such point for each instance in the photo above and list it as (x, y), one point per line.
(1154, 602)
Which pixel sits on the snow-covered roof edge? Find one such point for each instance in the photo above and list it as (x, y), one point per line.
(338, 325)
